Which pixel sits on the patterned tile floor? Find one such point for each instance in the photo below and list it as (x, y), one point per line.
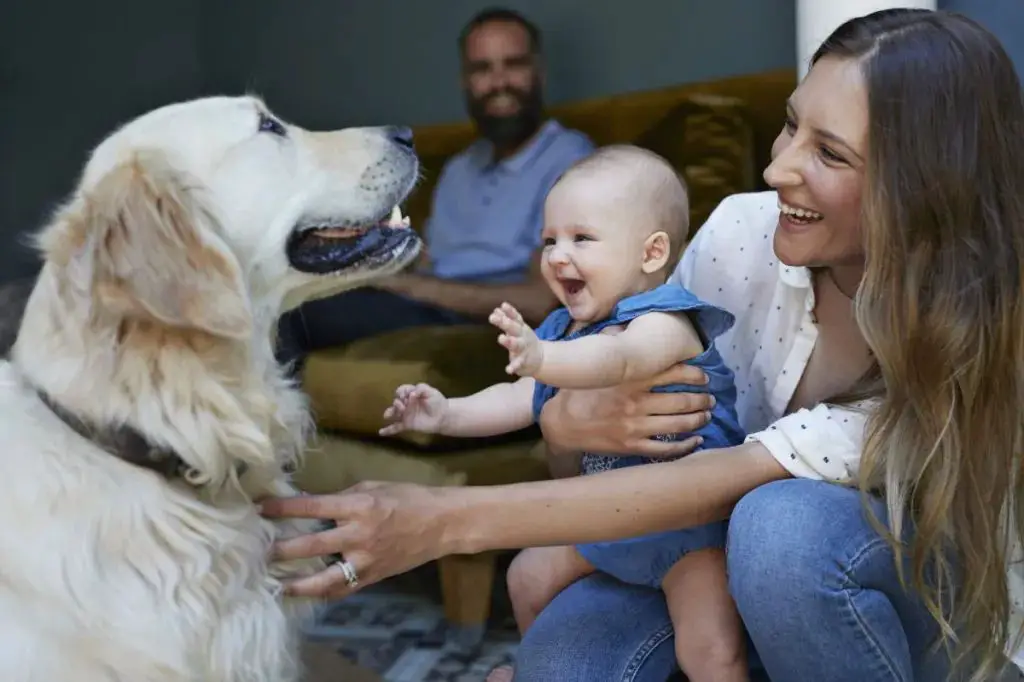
(397, 630)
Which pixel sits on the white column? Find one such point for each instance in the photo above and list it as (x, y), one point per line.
(816, 19)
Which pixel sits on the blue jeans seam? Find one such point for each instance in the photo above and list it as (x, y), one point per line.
(847, 587)
(644, 652)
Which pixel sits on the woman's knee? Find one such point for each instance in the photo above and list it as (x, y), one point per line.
(795, 535)
(814, 579)
(575, 640)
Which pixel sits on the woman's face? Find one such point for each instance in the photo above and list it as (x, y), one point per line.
(817, 167)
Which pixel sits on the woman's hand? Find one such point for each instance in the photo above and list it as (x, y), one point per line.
(383, 529)
(627, 417)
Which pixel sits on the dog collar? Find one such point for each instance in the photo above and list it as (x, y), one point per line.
(126, 443)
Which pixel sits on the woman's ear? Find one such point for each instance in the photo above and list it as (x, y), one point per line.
(155, 252)
(657, 248)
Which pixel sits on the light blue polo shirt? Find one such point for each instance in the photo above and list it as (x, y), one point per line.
(486, 218)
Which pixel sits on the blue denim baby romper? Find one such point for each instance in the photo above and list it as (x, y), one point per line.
(645, 560)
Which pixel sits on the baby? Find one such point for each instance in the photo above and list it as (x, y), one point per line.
(614, 224)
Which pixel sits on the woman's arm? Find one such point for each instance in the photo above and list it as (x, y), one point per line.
(612, 505)
(562, 464)
(385, 529)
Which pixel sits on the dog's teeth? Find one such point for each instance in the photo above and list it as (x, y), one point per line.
(396, 216)
(406, 222)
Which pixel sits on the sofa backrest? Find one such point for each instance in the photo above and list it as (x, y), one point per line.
(718, 134)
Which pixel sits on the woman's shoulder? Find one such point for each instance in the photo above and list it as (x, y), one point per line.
(736, 239)
(745, 217)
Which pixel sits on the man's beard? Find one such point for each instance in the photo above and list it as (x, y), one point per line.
(508, 132)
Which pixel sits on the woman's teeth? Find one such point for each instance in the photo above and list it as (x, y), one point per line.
(800, 215)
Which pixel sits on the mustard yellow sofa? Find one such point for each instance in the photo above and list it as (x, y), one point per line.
(717, 134)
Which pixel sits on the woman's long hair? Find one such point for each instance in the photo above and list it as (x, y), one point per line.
(941, 309)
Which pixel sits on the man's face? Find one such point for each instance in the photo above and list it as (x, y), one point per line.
(502, 82)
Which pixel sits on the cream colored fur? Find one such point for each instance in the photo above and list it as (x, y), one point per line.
(164, 274)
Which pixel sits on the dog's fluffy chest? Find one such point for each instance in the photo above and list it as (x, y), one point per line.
(112, 574)
(184, 596)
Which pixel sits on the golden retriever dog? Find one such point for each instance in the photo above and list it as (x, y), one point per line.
(142, 411)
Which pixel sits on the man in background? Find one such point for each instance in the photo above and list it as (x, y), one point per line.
(483, 236)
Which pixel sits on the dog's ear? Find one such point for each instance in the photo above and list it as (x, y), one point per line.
(155, 251)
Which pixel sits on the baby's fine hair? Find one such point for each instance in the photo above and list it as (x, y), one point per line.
(652, 183)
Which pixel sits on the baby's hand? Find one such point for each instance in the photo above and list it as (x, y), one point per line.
(525, 352)
(416, 408)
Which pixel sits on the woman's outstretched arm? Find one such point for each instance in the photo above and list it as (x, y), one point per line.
(385, 529)
(698, 489)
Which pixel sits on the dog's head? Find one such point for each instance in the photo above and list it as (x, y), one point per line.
(205, 214)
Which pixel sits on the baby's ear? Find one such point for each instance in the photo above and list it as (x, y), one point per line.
(657, 249)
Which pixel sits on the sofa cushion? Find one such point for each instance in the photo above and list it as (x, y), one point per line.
(350, 387)
(333, 463)
(709, 140)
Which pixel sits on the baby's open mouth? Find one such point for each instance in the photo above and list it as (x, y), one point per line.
(572, 286)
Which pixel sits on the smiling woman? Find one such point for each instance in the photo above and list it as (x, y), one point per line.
(818, 169)
(877, 346)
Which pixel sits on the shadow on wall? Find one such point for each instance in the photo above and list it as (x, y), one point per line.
(71, 72)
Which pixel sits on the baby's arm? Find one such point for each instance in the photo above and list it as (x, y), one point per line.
(650, 344)
(497, 409)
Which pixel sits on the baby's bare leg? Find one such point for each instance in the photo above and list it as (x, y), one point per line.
(708, 629)
(537, 575)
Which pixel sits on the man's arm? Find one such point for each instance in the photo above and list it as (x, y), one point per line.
(531, 297)
(498, 409)
(650, 344)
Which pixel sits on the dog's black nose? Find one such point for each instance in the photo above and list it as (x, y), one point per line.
(400, 135)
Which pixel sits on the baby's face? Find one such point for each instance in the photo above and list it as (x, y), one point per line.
(593, 246)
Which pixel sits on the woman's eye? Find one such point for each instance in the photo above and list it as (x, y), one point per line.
(270, 125)
(830, 155)
(581, 238)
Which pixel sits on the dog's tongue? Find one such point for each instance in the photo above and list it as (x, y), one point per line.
(395, 220)
(339, 232)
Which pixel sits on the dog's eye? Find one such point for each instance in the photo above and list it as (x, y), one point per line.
(270, 125)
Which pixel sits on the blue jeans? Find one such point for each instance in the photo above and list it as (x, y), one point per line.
(815, 584)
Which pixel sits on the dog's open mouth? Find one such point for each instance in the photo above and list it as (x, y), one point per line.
(323, 250)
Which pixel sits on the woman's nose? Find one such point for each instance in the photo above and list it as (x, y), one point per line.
(784, 170)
